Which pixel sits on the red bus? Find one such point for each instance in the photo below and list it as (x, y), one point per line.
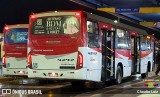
(77, 45)
(14, 60)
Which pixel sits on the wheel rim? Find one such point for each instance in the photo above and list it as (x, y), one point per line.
(119, 78)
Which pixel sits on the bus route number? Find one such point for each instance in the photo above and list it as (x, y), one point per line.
(92, 53)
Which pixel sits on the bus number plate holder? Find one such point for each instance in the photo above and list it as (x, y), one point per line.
(53, 74)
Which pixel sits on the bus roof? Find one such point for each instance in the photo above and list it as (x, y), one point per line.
(60, 12)
(17, 26)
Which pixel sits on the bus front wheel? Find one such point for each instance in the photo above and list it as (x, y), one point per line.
(144, 75)
(119, 75)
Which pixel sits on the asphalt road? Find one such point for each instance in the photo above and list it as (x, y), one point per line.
(131, 87)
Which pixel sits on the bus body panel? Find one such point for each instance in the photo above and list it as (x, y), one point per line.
(147, 57)
(54, 61)
(4, 71)
(65, 74)
(19, 69)
(123, 57)
(19, 62)
(93, 64)
(15, 72)
(61, 62)
(49, 64)
(15, 49)
(61, 73)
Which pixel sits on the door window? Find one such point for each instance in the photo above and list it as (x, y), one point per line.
(93, 34)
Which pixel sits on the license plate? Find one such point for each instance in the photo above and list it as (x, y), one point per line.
(21, 72)
(53, 74)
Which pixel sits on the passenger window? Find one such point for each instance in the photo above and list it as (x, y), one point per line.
(148, 43)
(93, 34)
(122, 39)
(128, 39)
(143, 43)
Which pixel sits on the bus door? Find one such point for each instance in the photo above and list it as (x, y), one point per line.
(153, 47)
(108, 54)
(135, 51)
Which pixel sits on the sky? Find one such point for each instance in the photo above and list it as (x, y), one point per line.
(18, 11)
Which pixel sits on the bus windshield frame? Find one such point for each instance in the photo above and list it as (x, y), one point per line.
(66, 25)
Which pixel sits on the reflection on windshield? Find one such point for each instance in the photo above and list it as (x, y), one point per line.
(19, 35)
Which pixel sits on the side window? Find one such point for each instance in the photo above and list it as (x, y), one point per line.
(128, 39)
(122, 39)
(143, 43)
(148, 43)
(93, 34)
(152, 45)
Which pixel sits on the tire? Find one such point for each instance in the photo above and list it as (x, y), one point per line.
(147, 72)
(119, 75)
(144, 75)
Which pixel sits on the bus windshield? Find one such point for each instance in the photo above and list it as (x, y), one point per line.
(55, 25)
(17, 35)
